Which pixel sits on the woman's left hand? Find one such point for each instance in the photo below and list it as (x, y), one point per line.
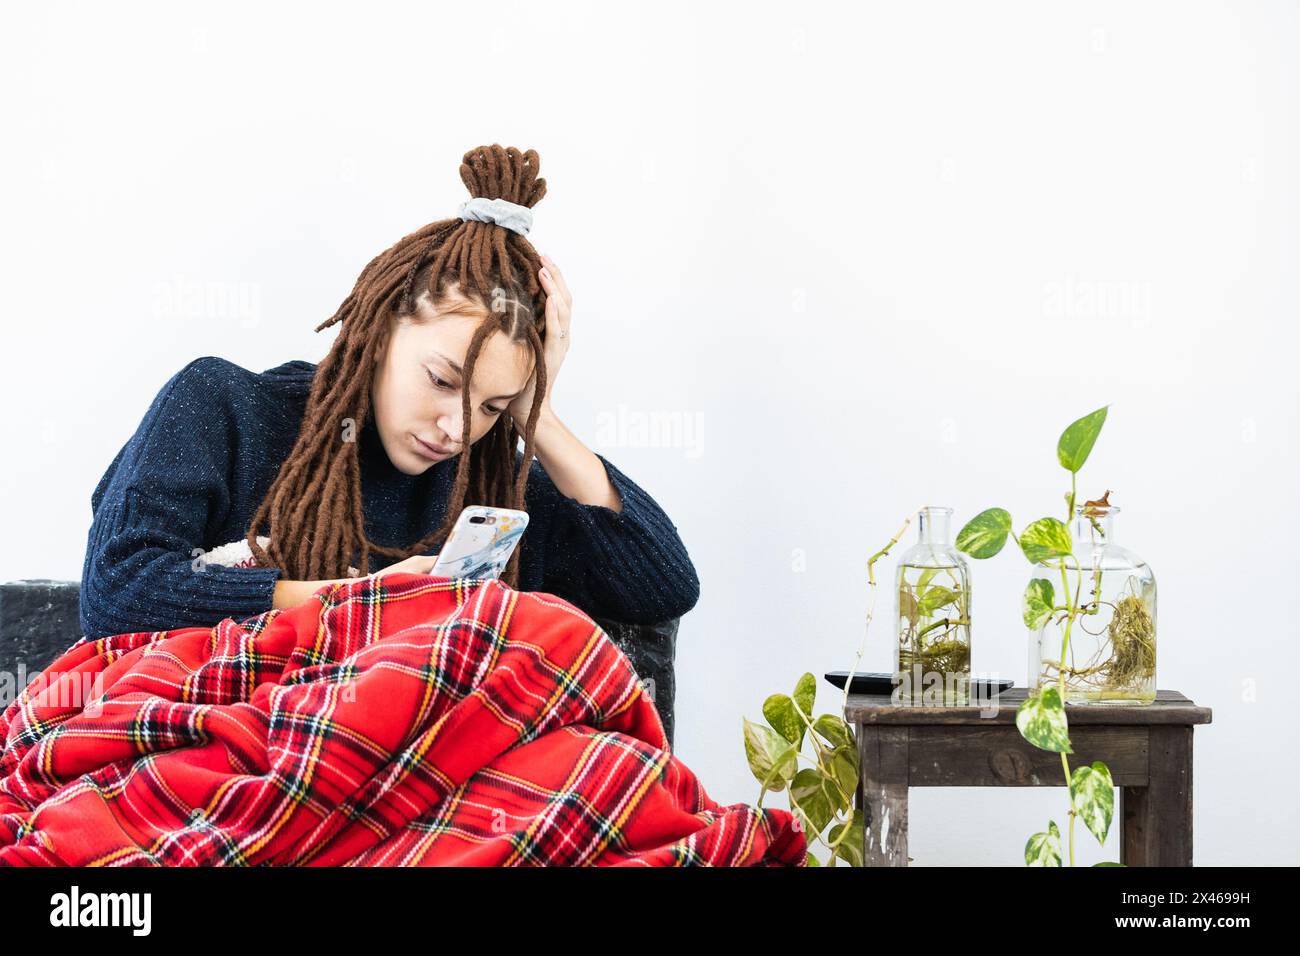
(555, 343)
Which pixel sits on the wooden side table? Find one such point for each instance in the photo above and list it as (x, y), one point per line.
(1148, 749)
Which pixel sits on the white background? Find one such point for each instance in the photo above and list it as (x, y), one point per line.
(873, 255)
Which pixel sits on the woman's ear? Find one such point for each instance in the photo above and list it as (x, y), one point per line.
(384, 338)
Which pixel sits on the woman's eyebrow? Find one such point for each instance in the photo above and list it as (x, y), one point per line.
(461, 372)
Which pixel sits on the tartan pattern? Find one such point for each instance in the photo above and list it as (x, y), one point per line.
(404, 720)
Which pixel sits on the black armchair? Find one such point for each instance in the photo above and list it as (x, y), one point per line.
(39, 619)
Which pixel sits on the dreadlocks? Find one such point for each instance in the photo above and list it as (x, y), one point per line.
(312, 512)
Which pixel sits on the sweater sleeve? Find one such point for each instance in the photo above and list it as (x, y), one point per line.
(628, 566)
(151, 511)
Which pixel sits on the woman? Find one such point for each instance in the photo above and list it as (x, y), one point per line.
(242, 492)
(417, 721)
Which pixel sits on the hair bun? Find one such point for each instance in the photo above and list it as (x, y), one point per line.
(503, 172)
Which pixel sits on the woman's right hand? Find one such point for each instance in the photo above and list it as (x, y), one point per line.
(416, 564)
(292, 593)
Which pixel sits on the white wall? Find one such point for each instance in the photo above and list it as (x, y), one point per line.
(832, 236)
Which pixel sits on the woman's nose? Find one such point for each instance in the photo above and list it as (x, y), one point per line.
(451, 426)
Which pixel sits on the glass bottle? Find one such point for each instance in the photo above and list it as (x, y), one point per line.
(1111, 654)
(932, 609)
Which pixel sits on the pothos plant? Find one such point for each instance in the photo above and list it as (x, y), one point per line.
(1041, 718)
(821, 794)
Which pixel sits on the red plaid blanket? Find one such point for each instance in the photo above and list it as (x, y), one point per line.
(406, 720)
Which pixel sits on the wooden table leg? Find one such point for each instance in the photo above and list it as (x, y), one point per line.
(1156, 820)
(884, 758)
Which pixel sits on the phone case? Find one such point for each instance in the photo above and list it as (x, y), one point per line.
(481, 543)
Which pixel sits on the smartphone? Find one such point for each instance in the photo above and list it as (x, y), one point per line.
(481, 542)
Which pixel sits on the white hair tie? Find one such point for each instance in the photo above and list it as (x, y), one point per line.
(500, 211)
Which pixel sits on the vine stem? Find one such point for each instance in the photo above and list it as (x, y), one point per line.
(1060, 682)
(871, 608)
(821, 767)
(942, 622)
(848, 681)
(828, 773)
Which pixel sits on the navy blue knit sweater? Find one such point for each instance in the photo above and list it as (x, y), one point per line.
(205, 455)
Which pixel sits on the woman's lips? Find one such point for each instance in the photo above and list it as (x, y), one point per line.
(432, 452)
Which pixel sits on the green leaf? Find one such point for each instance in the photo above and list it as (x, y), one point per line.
(985, 534)
(811, 860)
(817, 796)
(805, 695)
(768, 751)
(1044, 849)
(1038, 602)
(844, 764)
(1075, 443)
(935, 598)
(1107, 863)
(851, 847)
(1093, 798)
(906, 604)
(1045, 539)
(926, 577)
(1041, 719)
(779, 711)
(834, 731)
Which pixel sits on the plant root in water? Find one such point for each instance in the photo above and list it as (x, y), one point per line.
(950, 656)
(1133, 637)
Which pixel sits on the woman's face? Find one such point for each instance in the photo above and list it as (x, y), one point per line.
(417, 385)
